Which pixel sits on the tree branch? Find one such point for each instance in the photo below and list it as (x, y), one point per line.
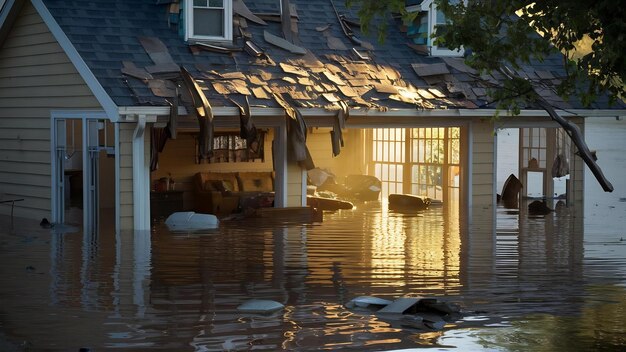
(576, 136)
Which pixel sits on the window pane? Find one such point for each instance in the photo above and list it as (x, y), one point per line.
(200, 3)
(216, 3)
(208, 22)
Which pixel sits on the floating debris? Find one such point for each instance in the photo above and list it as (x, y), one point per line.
(538, 208)
(190, 221)
(260, 306)
(408, 202)
(367, 302)
(414, 312)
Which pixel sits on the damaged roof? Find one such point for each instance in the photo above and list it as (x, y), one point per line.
(135, 49)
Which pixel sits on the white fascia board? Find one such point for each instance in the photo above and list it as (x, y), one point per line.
(5, 10)
(543, 113)
(131, 111)
(92, 82)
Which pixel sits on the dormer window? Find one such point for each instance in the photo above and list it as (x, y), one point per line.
(424, 25)
(209, 20)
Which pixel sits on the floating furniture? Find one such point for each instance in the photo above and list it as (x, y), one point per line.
(190, 221)
(408, 202)
(538, 208)
(222, 193)
(363, 187)
(323, 203)
(510, 192)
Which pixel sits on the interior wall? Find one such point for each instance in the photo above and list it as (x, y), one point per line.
(178, 161)
(351, 159)
(107, 181)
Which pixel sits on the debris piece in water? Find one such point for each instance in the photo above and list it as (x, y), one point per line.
(408, 202)
(189, 221)
(260, 306)
(367, 302)
(328, 203)
(538, 208)
(414, 312)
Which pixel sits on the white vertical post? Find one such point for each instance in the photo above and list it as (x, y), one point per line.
(303, 188)
(117, 178)
(141, 210)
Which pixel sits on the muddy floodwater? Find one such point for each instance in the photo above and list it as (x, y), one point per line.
(553, 283)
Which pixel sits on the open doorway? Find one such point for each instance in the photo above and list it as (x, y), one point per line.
(84, 171)
(539, 158)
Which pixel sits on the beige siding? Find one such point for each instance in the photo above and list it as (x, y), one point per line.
(294, 185)
(482, 169)
(351, 159)
(35, 77)
(577, 170)
(126, 175)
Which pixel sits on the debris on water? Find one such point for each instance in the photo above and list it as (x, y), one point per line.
(367, 302)
(622, 200)
(260, 306)
(414, 312)
(191, 221)
(45, 223)
(538, 208)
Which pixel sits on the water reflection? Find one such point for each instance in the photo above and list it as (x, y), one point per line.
(141, 290)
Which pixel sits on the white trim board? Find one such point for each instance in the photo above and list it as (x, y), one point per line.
(92, 82)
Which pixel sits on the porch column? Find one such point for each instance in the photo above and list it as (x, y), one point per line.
(481, 238)
(141, 177)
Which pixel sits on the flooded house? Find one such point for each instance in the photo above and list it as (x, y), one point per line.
(131, 110)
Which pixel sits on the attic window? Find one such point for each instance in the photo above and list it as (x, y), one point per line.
(210, 20)
(424, 25)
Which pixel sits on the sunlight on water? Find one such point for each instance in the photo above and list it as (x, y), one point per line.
(546, 283)
(176, 291)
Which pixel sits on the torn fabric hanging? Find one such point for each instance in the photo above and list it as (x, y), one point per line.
(336, 135)
(247, 129)
(172, 124)
(204, 114)
(159, 138)
(296, 132)
(560, 166)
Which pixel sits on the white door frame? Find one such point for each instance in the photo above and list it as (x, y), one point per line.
(57, 187)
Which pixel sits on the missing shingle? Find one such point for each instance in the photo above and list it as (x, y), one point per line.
(430, 69)
(282, 43)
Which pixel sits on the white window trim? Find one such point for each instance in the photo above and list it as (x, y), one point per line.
(228, 23)
(434, 49)
(430, 7)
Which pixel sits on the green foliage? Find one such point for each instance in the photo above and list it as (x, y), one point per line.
(501, 34)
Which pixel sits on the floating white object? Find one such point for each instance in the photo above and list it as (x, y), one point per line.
(261, 306)
(367, 302)
(190, 221)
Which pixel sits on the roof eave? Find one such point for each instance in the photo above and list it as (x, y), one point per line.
(92, 82)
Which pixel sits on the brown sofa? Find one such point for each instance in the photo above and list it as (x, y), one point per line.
(222, 193)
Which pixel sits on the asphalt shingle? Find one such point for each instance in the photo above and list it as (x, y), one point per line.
(106, 33)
